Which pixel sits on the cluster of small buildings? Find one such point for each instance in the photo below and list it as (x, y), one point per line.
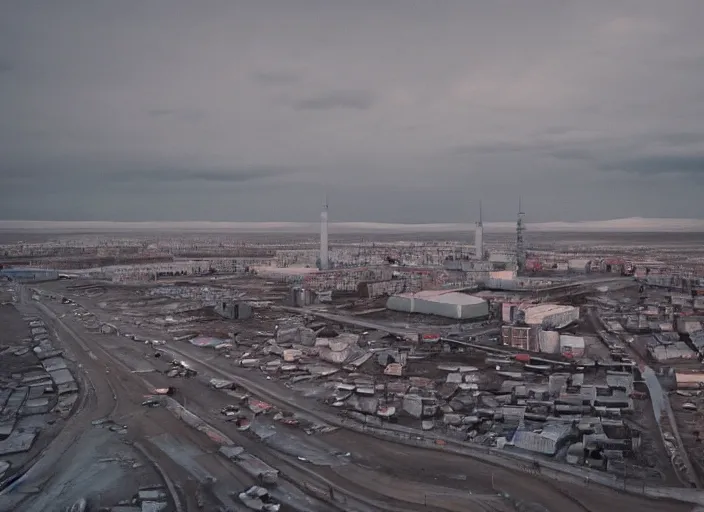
(205, 295)
(538, 391)
(156, 271)
(35, 383)
(366, 253)
(666, 324)
(573, 411)
(370, 281)
(533, 328)
(667, 346)
(560, 405)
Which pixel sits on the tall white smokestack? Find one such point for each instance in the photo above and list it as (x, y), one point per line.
(479, 236)
(324, 262)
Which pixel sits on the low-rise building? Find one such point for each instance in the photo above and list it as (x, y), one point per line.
(524, 337)
(547, 440)
(234, 310)
(678, 350)
(555, 315)
(572, 346)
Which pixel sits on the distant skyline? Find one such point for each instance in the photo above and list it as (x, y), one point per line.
(402, 112)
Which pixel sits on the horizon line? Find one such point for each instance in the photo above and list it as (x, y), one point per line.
(622, 224)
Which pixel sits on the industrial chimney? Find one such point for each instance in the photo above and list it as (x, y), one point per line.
(324, 262)
(479, 236)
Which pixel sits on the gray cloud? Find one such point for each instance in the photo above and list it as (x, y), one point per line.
(407, 113)
(160, 112)
(140, 174)
(681, 138)
(572, 154)
(144, 175)
(6, 66)
(558, 130)
(660, 164)
(494, 148)
(626, 153)
(548, 148)
(276, 78)
(183, 115)
(236, 175)
(353, 100)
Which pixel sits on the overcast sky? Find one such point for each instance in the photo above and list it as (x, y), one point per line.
(402, 111)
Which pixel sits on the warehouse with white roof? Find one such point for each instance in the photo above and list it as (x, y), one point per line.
(448, 304)
(556, 315)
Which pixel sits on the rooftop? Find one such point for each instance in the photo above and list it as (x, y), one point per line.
(444, 296)
(545, 309)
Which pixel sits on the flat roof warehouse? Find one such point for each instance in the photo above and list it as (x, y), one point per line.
(449, 297)
(448, 304)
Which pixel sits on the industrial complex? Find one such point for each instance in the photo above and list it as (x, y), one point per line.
(318, 372)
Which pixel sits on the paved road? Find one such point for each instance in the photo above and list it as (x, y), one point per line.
(114, 393)
(96, 401)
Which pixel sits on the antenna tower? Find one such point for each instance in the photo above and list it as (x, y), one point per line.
(324, 250)
(479, 236)
(520, 246)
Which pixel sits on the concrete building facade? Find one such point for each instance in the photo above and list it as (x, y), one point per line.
(523, 337)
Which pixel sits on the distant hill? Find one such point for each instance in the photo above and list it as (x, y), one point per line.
(635, 224)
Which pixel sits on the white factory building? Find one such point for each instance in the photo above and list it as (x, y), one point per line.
(558, 316)
(448, 304)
